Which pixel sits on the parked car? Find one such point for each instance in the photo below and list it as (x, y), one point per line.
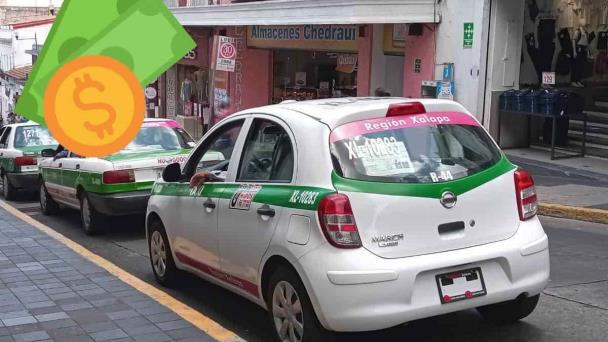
(354, 214)
(20, 147)
(116, 185)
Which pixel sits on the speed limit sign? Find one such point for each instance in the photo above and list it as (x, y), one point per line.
(226, 54)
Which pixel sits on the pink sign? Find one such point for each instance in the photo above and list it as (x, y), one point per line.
(354, 129)
(163, 123)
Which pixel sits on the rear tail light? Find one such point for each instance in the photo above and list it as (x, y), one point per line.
(406, 108)
(527, 202)
(118, 176)
(25, 161)
(338, 222)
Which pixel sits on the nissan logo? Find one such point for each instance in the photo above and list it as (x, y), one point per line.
(448, 200)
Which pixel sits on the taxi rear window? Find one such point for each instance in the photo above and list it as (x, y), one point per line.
(424, 148)
(30, 136)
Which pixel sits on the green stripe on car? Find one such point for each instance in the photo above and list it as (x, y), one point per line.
(145, 155)
(288, 196)
(90, 181)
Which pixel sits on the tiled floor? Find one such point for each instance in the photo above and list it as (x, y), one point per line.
(50, 293)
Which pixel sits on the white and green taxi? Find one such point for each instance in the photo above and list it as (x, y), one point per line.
(20, 148)
(115, 185)
(354, 214)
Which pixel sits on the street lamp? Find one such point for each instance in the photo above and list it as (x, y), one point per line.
(35, 39)
(35, 49)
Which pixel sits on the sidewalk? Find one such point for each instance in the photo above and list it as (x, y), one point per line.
(48, 292)
(576, 185)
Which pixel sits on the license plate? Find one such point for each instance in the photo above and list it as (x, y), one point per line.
(148, 175)
(460, 285)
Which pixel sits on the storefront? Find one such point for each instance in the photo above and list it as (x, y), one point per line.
(563, 71)
(345, 48)
(309, 61)
(183, 91)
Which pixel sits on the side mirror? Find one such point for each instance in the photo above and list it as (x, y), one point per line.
(48, 153)
(172, 173)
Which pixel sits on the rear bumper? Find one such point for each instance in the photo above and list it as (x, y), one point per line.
(121, 204)
(25, 181)
(355, 290)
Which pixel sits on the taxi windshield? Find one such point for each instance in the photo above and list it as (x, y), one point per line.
(30, 136)
(157, 138)
(428, 148)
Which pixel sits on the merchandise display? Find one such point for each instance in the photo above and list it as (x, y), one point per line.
(307, 75)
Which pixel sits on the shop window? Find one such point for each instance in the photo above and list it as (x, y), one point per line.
(306, 75)
(193, 89)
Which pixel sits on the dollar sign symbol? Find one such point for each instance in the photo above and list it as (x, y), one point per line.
(83, 84)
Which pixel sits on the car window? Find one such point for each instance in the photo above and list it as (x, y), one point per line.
(429, 148)
(215, 152)
(268, 154)
(4, 137)
(29, 136)
(159, 138)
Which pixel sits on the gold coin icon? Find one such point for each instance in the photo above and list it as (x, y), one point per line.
(94, 106)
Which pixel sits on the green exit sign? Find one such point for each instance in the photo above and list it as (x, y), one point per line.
(467, 41)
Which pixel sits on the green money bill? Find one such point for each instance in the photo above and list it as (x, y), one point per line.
(78, 22)
(148, 40)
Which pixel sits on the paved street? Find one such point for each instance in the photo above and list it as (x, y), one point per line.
(574, 306)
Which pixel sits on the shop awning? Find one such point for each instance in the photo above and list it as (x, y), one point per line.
(295, 12)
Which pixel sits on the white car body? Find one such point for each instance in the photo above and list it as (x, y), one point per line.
(67, 178)
(22, 140)
(391, 278)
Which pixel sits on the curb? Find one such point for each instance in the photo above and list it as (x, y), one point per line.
(574, 213)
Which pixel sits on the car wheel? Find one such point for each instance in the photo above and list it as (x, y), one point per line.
(47, 205)
(161, 258)
(291, 313)
(510, 311)
(90, 219)
(8, 190)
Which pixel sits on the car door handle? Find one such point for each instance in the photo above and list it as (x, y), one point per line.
(60, 164)
(265, 210)
(209, 204)
(77, 166)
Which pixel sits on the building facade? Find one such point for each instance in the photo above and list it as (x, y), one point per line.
(469, 50)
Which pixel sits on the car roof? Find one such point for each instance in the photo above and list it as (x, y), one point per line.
(338, 111)
(27, 123)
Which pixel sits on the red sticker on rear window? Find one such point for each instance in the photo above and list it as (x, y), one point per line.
(354, 129)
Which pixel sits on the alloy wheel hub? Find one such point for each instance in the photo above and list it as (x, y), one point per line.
(287, 313)
(158, 253)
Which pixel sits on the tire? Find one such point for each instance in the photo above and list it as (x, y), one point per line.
(91, 220)
(48, 206)
(510, 311)
(8, 190)
(161, 257)
(283, 281)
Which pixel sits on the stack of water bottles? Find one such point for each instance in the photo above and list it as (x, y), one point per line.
(543, 101)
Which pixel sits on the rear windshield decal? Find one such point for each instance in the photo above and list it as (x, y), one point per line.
(441, 176)
(354, 129)
(380, 157)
